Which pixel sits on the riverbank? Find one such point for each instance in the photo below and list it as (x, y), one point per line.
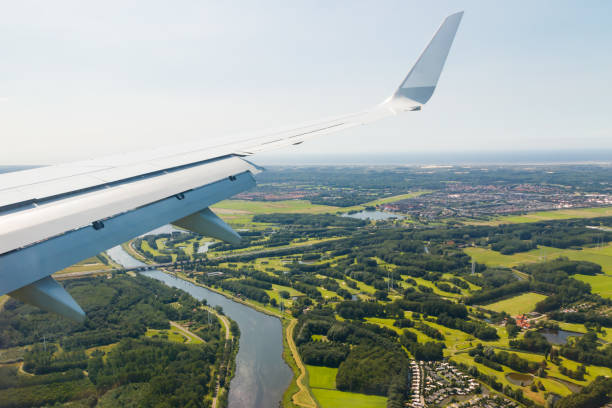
(298, 393)
(257, 371)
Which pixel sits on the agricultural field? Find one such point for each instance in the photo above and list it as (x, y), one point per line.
(323, 384)
(516, 305)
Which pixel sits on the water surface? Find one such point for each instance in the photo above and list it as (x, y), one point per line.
(372, 215)
(558, 336)
(261, 374)
(520, 379)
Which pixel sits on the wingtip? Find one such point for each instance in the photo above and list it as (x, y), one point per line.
(419, 85)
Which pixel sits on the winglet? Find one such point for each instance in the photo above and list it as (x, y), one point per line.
(421, 81)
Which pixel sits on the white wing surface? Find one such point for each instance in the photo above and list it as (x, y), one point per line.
(53, 217)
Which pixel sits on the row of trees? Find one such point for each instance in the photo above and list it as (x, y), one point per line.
(511, 360)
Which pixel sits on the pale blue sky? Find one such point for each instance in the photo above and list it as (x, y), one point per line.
(84, 78)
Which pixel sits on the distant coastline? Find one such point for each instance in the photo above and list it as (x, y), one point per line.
(535, 157)
(466, 158)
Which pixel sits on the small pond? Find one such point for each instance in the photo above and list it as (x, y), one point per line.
(555, 336)
(570, 385)
(519, 379)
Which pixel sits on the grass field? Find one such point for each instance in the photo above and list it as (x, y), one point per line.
(323, 385)
(516, 305)
(601, 256)
(322, 377)
(429, 284)
(173, 335)
(241, 211)
(600, 284)
(340, 399)
(578, 327)
(550, 215)
(385, 200)
(551, 385)
(87, 265)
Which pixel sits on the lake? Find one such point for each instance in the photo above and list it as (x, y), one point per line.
(261, 373)
(372, 215)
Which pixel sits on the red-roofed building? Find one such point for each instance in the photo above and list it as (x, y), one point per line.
(521, 321)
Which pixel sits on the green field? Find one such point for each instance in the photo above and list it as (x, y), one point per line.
(601, 256)
(393, 199)
(385, 200)
(173, 335)
(340, 399)
(600, 284)
(322, 377)
(242, 211)
(429, 284)
(551, 215)
(323, 385)
(578, 327)
(87, 265)
(516, 305)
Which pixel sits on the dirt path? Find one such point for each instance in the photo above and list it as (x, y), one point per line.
(187, 333)
(22, 371)
(226, 324)
(3, 300)
(302, 397)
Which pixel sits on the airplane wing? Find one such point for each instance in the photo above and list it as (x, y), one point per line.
(53, 217)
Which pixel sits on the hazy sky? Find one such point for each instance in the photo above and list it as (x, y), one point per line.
(90, 78)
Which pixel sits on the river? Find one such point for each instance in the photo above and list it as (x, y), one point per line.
(261, 374)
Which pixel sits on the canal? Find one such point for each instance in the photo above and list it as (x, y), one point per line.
(261, 374)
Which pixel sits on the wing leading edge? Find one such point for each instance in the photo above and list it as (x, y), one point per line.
(53, 217)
